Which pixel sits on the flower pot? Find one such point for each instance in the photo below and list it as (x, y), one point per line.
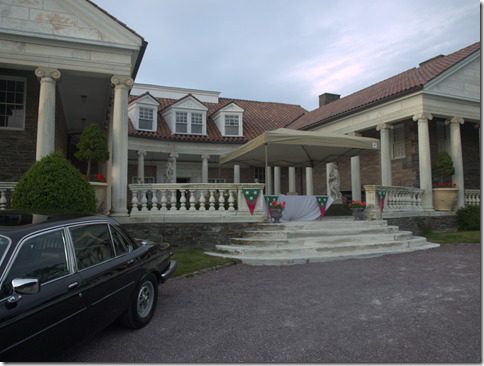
(444, 199)
(357, 212)
(277, 214)
(100, 190)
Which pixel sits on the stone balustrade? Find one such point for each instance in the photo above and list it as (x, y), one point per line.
(194, 202)
(399, 201)
(472, 196)
(6, 189)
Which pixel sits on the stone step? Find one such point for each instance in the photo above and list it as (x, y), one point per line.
(321, 232)
(301, 259)
(313, 248)
(333, 223)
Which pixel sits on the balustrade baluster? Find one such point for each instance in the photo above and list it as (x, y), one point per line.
(144, 200)
(202, 201)
(134, 199)
(231, 200)
(192, 200)
(212, 200)
(163, 200)
(154, 200)
(173, 199)
(3, 199)
(221, 200)
(183, 200)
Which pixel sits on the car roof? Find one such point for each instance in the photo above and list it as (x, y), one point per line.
(20, 223)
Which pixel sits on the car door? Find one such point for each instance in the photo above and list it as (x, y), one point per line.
(35, 326)
(109, 271)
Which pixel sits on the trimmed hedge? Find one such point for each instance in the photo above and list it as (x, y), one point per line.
(339, 209)
(54, 185)
(469, 218)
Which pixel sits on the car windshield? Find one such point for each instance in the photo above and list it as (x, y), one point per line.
(4, 242)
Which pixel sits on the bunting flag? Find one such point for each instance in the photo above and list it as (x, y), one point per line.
(269, 200)
(251, 195)
(322, 200)
(382, 193)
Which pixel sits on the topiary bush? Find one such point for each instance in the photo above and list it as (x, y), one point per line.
(54, 185)
(469, 218)
(443, 165)
(93, 146)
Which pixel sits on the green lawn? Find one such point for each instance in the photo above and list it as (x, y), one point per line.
(454, 238)
(193, 260)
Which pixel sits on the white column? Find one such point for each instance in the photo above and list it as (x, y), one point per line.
(329, 168)
(355, 175)
(159, 172)
(236, 173)
(269, 180)
(292, 179)
(46, 120)
(119, 186)
(277, 180)
(309, 182)
(425, 167)
(174, 156)
(109, 163)
(456, 155)
(141, 166)
(386, 158)
(205, 158)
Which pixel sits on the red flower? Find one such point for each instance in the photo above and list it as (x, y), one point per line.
(439, 184)
(455, 185)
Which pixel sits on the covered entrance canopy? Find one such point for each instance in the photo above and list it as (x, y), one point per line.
(293, 148)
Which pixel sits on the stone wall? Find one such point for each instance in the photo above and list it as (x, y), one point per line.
(185, 236)
(441, 224)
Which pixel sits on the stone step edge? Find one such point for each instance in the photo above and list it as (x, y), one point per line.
(362, 223)
(327, 231)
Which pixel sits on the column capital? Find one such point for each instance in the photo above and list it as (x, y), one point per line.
(141, 152)
(423, 117)
(47, 72)
(384, 126)
(174, 155)
(122, 81)
(205, 156)
(455, 121)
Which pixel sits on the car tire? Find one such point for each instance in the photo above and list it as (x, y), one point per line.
(143, 303)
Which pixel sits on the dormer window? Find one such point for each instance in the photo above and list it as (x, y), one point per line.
(232, 125)
(187, 116)
(229, 120)
(143, 113)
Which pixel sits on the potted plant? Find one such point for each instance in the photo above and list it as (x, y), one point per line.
(276, 209)
(357, 208)
(93, 147)
(443, 195)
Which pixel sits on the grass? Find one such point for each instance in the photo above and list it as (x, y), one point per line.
(193, 260)
(454, 238)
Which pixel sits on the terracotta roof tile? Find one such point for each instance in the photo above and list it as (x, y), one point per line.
(407, 80)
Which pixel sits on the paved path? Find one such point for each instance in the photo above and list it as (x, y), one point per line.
(423, 306)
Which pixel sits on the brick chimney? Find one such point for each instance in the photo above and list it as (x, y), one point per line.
(327, 98)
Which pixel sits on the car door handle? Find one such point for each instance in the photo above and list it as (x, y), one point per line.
(73, 285)
(130, 262)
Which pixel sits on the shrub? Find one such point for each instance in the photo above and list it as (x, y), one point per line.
(469, 218)
(443, 165)
(53, 184)
(338, 209)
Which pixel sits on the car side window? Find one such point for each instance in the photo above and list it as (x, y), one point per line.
(92, 244)
(120, 243)
(43, 257)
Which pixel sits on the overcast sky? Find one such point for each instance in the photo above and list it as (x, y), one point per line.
(291, 51)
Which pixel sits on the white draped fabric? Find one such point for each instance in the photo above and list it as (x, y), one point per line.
(299, 208)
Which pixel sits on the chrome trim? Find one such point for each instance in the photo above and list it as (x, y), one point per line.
(6, 250)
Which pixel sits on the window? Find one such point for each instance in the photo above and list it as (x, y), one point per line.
(12, 102)
(214, 180)
(398, 148)
(232, 125)
(92, 245)
(148, 180)
(442, 137)
(120, 243)
(42, 257)
(260, 174)
(197, 123)
(145, 121)
(181, 122)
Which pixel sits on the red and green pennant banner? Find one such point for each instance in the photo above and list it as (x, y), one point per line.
(382, 193)
(322, 200)
(269, 200)
(251, 195)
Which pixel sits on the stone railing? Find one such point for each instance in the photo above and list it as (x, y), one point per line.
(6, 189)
(399, 201)
(194, 202)
(472, 196)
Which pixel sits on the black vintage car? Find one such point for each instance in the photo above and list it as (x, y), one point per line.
(64, 278)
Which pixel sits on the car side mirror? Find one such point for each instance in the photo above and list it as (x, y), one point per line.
(24, 286)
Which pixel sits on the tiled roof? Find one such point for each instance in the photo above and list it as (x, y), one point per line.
(258, 117)
(410, 79)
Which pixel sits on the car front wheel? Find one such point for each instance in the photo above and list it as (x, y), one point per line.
(143, 304)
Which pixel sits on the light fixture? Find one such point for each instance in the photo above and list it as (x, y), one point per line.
(83, 99)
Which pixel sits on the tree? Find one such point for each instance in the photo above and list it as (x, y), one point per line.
(93, 146)
(53, 185)
(443, 165)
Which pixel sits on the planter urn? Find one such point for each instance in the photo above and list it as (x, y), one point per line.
(357, 212)
(100, 190)
(277, 214)
(444, 199)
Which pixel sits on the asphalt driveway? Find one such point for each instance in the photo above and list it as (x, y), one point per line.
(423, 306)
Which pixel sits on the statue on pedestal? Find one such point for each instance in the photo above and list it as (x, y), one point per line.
(334, 184)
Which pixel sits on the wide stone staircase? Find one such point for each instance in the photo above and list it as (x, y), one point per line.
(331, 239)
